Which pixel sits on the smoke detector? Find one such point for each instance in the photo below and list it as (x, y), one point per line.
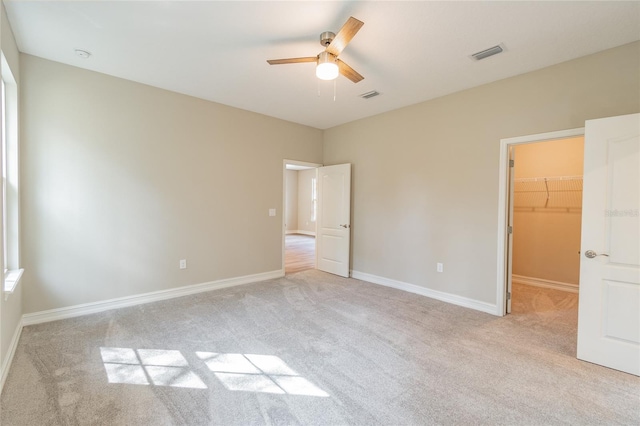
(82, 53)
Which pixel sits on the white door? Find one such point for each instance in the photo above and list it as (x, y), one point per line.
(334, 219)
(609, 304)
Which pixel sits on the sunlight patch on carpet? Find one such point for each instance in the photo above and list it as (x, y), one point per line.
(258, 373)
(237, 372)
(149, 366)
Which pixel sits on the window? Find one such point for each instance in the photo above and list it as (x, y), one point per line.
(314, 200)
(9, 165)
(4, 172)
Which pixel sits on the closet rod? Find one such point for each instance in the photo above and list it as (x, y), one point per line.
(548, 179)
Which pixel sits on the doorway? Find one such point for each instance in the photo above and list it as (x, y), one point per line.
(546, 227)
(609, 257)
(507, 201)
(300, 214)
(541, 176)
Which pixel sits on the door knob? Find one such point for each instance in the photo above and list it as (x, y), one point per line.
(591, 254)
(345, 226)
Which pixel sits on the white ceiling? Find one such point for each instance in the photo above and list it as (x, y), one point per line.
(408, 51)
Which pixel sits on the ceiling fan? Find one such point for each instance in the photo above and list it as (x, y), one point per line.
(328, 65)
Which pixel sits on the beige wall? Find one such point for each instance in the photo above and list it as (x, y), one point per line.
(304, 201)
(291, 200)
(122, 180)
(425, 177)
(10, 309)
(546, 241)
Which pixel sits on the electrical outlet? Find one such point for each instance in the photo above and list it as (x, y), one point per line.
(183, 263)
(439, 267)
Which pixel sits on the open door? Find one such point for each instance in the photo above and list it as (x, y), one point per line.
(609, 303)
(333, 232)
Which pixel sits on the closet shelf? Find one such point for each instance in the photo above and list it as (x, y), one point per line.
(553, 193)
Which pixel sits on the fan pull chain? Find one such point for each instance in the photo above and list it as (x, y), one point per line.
(335, 89)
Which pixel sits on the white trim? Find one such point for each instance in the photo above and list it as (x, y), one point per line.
(121, 302)
(11, 281)
(423, 291)
(313, 234)
(6, 365)
(503, 203)
(12, 163)
(540, 282)
(301, 163)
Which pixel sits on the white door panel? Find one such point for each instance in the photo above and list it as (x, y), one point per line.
(609, 305)
(334, 218)
(622, 244)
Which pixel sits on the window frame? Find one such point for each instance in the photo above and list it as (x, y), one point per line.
(10, 186)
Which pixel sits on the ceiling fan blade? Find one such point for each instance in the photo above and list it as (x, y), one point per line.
(344, 36)
(292, 60)
(349, 72)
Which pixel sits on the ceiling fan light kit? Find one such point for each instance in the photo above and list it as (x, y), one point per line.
(328, 66)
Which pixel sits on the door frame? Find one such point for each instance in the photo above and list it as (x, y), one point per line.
(504, 195)
(284, 199)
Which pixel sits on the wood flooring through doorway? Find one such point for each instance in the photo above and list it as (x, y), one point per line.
(300, 253)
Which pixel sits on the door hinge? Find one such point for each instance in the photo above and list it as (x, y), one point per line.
(511, 163)
(508, 296)
(510, 229)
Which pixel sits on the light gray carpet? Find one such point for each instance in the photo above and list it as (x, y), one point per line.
(312, 349)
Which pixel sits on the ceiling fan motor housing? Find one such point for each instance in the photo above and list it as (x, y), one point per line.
(326, 38)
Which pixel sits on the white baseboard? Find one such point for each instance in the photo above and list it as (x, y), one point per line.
(434, 294)
(313, 234)
(4, 368)
(539, 282)
(122, 302)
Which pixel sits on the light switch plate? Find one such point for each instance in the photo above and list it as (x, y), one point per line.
(272, 212)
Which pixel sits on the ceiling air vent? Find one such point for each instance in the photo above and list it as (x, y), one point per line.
(370, 94)
(488, 52)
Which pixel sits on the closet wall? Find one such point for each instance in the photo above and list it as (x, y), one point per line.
(547, 211)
